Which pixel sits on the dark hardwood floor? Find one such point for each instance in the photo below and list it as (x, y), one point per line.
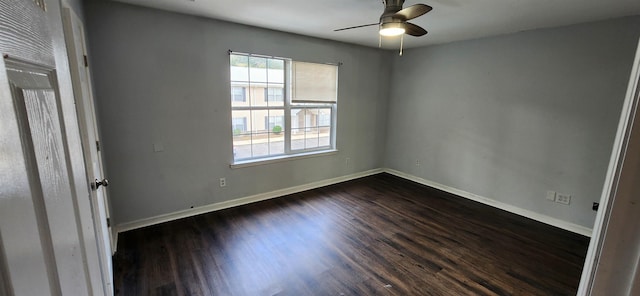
(379, 235)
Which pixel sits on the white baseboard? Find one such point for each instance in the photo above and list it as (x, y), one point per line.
(240, 201)
(496, 204)
(286, 191)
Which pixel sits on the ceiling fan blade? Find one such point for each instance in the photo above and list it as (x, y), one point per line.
(413, 11)
(414, 30)
(355, 27)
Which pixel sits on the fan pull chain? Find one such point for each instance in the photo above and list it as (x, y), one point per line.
(401, 43)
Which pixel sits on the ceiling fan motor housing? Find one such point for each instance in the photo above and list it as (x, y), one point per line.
(391, 8)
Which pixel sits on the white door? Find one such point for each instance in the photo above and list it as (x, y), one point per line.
(76, 48)
(43, 244)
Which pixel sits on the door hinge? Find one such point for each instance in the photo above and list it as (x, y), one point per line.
(98, 145)
(108, 222)
(86, 61)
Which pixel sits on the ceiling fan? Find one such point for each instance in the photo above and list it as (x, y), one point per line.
(394, 20)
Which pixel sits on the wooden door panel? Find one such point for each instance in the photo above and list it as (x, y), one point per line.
(30, 262)
(43, 244)
(24, 22)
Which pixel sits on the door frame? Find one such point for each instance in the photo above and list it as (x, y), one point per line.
(87, 123)
(609, 237)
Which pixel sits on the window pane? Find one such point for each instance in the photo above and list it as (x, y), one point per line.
(324, 117)
(324, 136)
(311, 131)
(276, 143)
(311, 142)
(274, 95)
(258, 69)
(260, 146)
(239, 68)
(276, 128)
(239, 79)
(256, 124)
(241, 136)
(276, 64)
(239, 121)
(238, 96)
(276, 71)
(297, 129)
(238, 60)
(275, 121)
(324, 127)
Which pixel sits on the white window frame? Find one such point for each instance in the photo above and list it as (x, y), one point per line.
(287, 107)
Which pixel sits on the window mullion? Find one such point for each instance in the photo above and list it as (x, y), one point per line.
(334, 121)
(287, 130)
(286, 92)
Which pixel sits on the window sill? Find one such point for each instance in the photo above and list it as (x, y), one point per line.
(263, 161)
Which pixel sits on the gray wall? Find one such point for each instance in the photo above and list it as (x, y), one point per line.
(507, 117)
(513, 116)
(163, 78)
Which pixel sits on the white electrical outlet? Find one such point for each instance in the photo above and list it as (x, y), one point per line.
(563, 198)
(223, 182)
(158, 147)
(551, 195)
(347, 161)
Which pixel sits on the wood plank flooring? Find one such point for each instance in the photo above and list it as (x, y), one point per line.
(379, 235)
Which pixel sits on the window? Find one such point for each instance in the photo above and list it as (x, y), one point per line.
(238, 94)
(281, 107)
(273, 94)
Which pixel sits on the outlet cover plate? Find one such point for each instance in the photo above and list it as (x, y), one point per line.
(563, 198)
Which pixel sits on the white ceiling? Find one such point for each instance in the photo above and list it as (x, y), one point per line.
(450, 20)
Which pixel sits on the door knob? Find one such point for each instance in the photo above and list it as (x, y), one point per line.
(99, 183)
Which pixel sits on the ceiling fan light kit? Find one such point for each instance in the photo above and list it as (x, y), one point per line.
(392, 29)
(393, 21)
